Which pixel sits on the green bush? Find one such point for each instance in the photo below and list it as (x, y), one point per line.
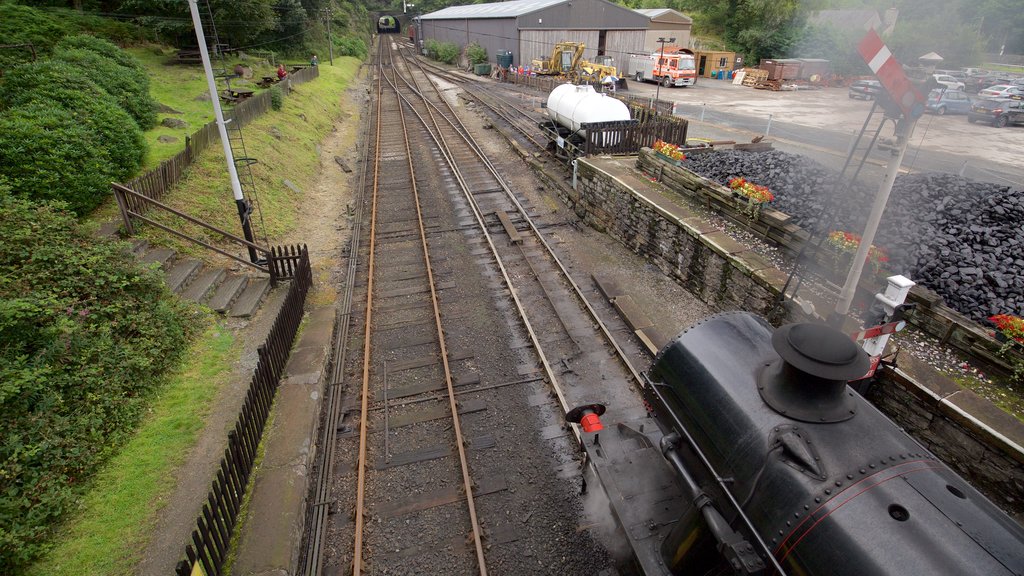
(46, 154)
(61, 84)
(276, 98)
(86, 336)
(476, 54)
(350, 46)
(103, 48)
(447, 52)
(43, 28)
(126, 85)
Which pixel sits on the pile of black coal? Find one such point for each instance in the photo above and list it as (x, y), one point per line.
(961, 238)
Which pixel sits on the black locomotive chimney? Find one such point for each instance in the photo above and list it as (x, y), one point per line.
(808, 382)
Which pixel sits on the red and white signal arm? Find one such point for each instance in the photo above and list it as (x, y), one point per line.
(890, 74)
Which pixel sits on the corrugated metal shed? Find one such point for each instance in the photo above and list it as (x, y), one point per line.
(490, 10)
(531, 28)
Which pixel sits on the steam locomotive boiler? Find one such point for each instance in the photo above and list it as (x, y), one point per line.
(779, 467)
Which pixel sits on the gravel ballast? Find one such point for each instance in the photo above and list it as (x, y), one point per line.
(961, 238)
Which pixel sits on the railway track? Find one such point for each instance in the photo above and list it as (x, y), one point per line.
(465, 341)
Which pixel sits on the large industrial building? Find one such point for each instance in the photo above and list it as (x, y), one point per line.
(531, 28)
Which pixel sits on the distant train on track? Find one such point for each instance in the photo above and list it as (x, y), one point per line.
(388, 24)
(781, 468)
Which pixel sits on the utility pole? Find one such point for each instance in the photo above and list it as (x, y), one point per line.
(236, 186)
(330, 41)
(657, 91)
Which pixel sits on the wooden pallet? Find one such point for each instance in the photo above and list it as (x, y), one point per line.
(754, 76)
(768, 85)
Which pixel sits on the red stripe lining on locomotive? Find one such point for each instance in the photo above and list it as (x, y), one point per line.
(929, 465)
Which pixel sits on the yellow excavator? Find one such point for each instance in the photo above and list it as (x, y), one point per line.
(567, 60)
(564, 61)
(595, 71)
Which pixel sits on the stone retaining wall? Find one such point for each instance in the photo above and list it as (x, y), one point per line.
(708, 262)
(950, 422)
(978, 440)
(931, 316)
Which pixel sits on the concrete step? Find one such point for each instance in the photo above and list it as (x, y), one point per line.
(161, 256)
(202, 286)
(139, 246)
(226, 293)
(181, 273)
(249, 302)
(109, 229)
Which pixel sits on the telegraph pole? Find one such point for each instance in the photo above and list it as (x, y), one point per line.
(330, 41)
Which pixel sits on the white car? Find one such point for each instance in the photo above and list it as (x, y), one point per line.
(948, 81)
(1003, 91)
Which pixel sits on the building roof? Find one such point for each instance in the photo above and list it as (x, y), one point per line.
(660, 13)
(510, 9)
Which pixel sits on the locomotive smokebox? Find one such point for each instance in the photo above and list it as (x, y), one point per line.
(808, 382)
(779, 458)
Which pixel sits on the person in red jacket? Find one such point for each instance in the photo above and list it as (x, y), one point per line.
(281, 72)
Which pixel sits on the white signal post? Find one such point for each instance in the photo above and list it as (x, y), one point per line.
(903, 93)
(236, 186)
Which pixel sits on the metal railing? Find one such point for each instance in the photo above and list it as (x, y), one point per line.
(279, 263)
(216, 523)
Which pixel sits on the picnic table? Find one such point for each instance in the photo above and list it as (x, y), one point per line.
(268, 81)
(236, 95)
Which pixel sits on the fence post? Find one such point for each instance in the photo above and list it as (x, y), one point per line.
(122, 204)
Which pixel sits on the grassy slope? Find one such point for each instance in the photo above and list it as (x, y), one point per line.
(116, 514)
(284, 142)
(181, 87)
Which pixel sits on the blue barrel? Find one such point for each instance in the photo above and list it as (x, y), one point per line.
(504, 58)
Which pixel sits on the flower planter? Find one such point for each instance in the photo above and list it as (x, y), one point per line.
(668, 159)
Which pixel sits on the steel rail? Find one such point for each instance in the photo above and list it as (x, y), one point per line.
(638, 381)
(357, 549)
(513, 292)
(475, 93)
(443, 349)
(316, 541)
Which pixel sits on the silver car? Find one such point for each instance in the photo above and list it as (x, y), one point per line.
(948, 102)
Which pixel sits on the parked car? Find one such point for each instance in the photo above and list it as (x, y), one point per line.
(948, 81)
(948, 102)
(999, 112)
(974, 71)
(959, 75)
(979, 83)
(1003, 91)
(865, 89)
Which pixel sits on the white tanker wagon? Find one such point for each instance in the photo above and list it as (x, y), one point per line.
(573, 109)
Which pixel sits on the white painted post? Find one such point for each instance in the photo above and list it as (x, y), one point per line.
(896, 291)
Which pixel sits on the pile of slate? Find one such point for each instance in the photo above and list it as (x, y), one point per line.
(961, 238)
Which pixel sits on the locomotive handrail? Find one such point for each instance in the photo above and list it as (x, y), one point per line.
(681, 429)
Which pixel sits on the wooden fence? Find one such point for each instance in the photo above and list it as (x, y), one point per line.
(629, 139)
(215, 525)
(155, 183)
